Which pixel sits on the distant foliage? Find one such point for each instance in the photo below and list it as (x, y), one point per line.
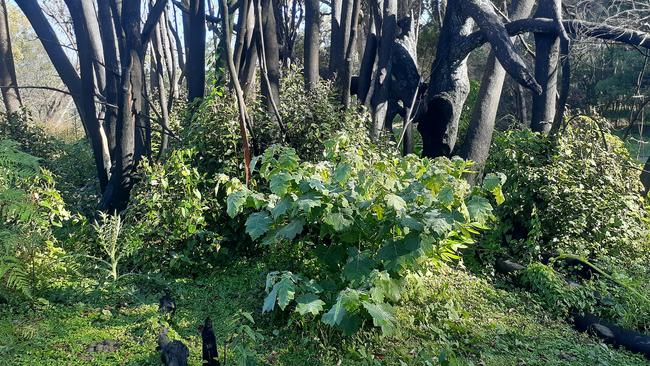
(362, 219)
(579, 194)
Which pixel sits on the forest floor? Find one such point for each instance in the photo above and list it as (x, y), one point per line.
(451, 318)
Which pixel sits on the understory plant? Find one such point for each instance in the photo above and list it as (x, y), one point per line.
(30, 208)
(363, 219)
(577, 193)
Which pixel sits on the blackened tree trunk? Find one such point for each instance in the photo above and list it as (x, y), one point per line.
(449, 84)
(94, 129)
(645, 176)
(271, 51)
(479, 134)
(368, 60)
(82, 91)
(112, 70)
(547, 50)
(379, 104)
(94, 42)
(8, 83)
(196, 36)
(345, 75)
(336, 38)
(312, 43)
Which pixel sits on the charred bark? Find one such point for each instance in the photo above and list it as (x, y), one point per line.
(195, 39)
(547, 51)
(8, 83)
(449, 85)
(312, 43)
(379, 103)
(479, 134)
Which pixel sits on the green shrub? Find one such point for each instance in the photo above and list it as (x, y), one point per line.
(173, 212)
(363, 218)
(578, 194)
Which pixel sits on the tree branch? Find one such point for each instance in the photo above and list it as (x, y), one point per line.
(152, 20)
(574, 28)
(494, 30)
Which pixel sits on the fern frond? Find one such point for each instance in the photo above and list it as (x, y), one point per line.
(15, 275)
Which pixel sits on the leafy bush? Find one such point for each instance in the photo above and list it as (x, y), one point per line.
(578, 194)
(171, 210)
(213, 133)
(364, 219)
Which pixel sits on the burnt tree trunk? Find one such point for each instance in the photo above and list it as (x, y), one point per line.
(271, 50)
(95, 43)
(8, 83)
(645, 176)
(112, 70)
(369, 57)
(94, 129)
(479, 134)
(547, 51)
(195, 39)
(312, 43)
(336, 38)
(379, 103)
(345, 74)
(449, 84)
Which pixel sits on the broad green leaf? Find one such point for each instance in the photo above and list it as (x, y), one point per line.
(437, 222)
(235, 202)
(281, 207)
(291, 230)
(309, 303)
(286, 291)
(382, 316)
(493, 183)
(258, 224)
(335, 315)
(280, 183)
(479, 209)
(337, 221)
(398, 248)
(446, 196)
(358, 267)
(397, 203)
(342, 173)
(269, 301)
(307, 202)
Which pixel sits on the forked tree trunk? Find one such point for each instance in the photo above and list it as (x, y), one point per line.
(449, 85)
(479, 134)
(8, 83)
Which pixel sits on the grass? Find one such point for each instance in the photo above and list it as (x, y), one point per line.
(450, 317)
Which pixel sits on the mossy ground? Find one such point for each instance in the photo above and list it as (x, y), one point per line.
(450, 317)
